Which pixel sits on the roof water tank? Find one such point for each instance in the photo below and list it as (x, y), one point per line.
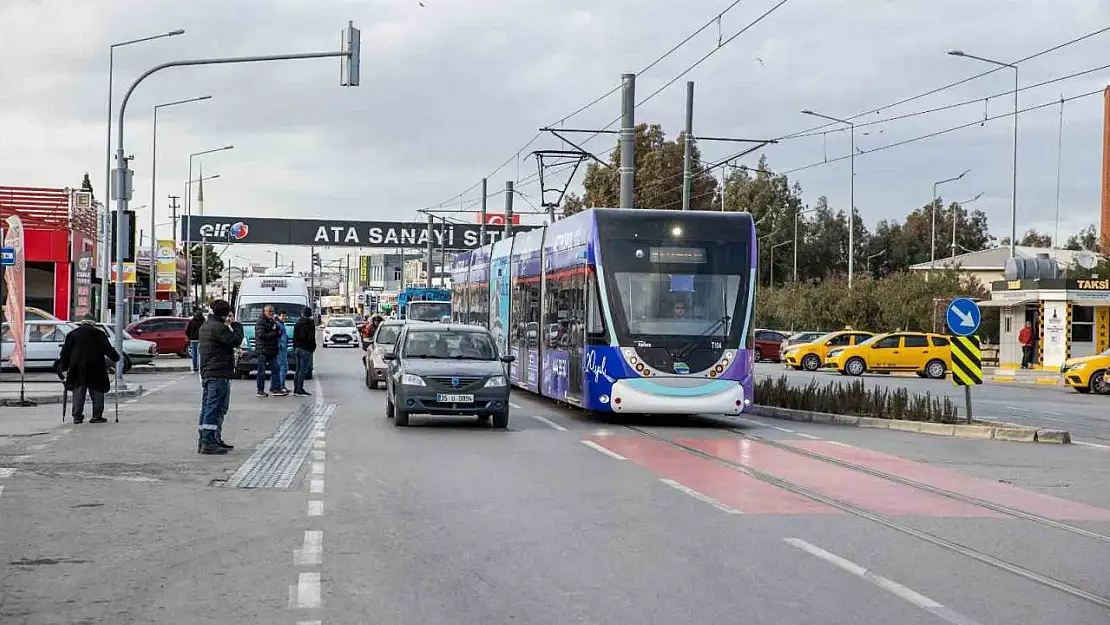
(1042, 267)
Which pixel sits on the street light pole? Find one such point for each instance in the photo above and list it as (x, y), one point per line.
(189, 221)
(1013, 192)
(960, 204)
(851, 192)
(933, 215)
(103, 229)
(153, 201)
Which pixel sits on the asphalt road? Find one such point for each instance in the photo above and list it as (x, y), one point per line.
(649, 521)
(1086, 417)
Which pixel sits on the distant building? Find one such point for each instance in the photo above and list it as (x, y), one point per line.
(988, 266)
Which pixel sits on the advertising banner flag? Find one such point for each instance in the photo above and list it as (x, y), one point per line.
(130, 274)
(166, 271)
(15, 309)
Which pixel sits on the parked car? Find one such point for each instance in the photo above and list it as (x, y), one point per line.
(167, 332)
(767, 345)
(1088, 373)
(926, 354)
(382, 342)
(135, 351)
(43, 341)
(446, 369)
(798, 338)
(813, 355)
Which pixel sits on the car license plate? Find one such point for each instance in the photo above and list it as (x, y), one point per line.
(454, 398)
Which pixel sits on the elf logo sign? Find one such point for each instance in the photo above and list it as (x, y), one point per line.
(498, 219)
(237, 231)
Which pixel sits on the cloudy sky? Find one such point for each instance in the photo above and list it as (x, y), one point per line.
(451, 89)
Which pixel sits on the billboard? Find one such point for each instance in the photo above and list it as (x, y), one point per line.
(130, 275)
(338, 232)
(166, 270)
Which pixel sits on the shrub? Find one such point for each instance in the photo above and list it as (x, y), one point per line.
(855, 399)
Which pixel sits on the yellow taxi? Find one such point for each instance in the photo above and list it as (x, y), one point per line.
(1089, 373)
(813, 355)
(924, 353)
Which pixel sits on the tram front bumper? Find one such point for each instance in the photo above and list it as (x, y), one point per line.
(640, 395)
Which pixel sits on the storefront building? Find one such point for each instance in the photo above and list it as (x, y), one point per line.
(1070, 318)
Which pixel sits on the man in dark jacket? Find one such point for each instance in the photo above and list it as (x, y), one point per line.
(192, 332)
(219, 336)
(266, 337)
(304, 344)
(85, 355)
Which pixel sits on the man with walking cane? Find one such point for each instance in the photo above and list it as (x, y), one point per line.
(84, 358)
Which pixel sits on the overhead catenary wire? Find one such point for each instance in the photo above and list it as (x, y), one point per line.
(962, 81)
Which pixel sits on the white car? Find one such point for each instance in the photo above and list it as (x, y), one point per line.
(341, 331)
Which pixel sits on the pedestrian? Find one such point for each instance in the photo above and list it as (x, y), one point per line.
(1026, 338)
(278, 376)
(304, 344)
(192, 332)
(85, 355)
(219, 336)
(266, 335)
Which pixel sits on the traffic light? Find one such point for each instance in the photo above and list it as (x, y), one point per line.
(316, 259)
(348, 64)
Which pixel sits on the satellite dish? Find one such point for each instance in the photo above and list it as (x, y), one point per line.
(1086, 260)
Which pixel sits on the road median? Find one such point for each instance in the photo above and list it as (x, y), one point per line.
(981, 430)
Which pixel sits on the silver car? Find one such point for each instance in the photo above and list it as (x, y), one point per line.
(382, 342)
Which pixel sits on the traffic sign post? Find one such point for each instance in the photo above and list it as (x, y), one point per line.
(967, 365)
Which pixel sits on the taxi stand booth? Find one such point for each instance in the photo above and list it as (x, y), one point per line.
(1070, 316)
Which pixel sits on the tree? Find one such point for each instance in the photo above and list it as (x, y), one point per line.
(573, 203)
(1085, 239)
(1032, 238)
(659, 167)
(213, 263)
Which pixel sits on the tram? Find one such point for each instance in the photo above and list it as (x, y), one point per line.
(622, 310)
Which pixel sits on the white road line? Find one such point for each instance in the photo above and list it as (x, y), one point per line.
(787, 430)
(315, 508)
(318, 390)
(1, 491)
(512, 405)
(318, 454)
(898, 590)
(308, 591)
(611, 454)
(549, 423)
(6, 472)
(1083, 443)
(809, 436)
(312, 549)
(319, 444)
(316, 486)
(699, 496)
(750, 421)
(317, 468)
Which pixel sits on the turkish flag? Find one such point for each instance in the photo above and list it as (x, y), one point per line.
(498, 219)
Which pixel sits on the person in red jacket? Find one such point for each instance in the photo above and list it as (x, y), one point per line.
(1025, 337)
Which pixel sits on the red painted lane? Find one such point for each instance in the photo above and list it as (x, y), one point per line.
(994, 492)
(728, 486)
(857, 488)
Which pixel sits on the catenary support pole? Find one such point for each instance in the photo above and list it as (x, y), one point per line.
(508, 208)
(431, 250)
(482, 220)
(688, 151)
(628, 142)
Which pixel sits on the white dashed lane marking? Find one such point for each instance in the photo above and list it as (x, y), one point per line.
(549, 423)
(312, 549)
(315, 508)
(307, 592)
(316, 487)
(596, 447)
(699, 496)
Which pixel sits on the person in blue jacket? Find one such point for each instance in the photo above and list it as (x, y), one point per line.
(279, 372)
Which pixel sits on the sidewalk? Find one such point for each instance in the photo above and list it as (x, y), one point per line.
(1043, 377)
(43, 394)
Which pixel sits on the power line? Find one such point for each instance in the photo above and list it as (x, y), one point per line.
(957, 83)
(956, 104)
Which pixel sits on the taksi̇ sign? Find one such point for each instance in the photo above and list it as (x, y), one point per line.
(337, 232)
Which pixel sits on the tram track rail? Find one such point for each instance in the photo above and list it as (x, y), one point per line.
(903, 528)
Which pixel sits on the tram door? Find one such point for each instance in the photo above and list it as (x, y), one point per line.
(576, 333)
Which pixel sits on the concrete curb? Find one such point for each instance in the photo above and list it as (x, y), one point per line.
(56, 398)
(1041, 381)
(982, 430)
(147, 369)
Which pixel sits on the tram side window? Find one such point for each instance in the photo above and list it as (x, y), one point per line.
(565, 315)
(479, 304)
(459, 292)
(525, 321)
(595, 325)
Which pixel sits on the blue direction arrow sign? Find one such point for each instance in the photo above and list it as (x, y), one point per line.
(963, 316)
(7, 256)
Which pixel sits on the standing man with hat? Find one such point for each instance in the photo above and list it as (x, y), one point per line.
(85, 355)
(219, 336)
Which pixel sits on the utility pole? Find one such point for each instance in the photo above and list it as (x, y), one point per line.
(312, 279)
(203, 269)
(628, 141)
(688, 145)
(173, 219)
(508, 208)
(482, 221)
(431, 250)
(443, 253)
